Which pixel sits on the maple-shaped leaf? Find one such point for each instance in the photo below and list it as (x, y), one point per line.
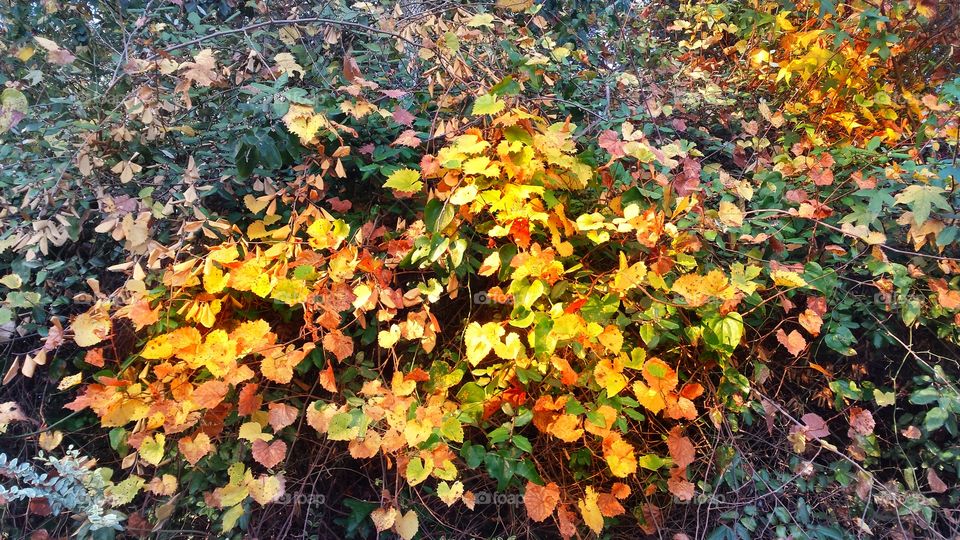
(270, 454)
(487, 104)
(922, 198)
(404, 181)
(195, 448)
(541, 500)
(286, 63)
(203, 69)
(681, 448)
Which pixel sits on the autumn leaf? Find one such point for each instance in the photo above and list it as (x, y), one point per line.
(487, 104)
(590, 510)
(541, 500)
(281, 415)
(793, 342)
(339, 344)
(407, 525)
(681, 448)
(269, 455)
(404, 181)
(195, 448)
(91, 327)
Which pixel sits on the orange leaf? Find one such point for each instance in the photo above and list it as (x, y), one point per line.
(541, 500)
(249, 400)
(678, 484)
(209, 394)
(681, 448)
(811, 322)
(327, 380)
(269, 455)
(794, 341)
(567, 522)
(609, 505)
(195, 448)
(620, 490)
(339, 344)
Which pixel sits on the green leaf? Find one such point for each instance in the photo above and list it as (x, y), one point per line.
(935, 419)
(921, 199)
(487, 104)
(404, 181)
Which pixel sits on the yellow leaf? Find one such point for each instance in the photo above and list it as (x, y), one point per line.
(786, 278)
(407, 525)
(480, 340)
(590, 510)
(91, 327)
(450, 494)
(304, 122)
(214, 280)
(70, 381)
(265, 488)
(383, 518)
(151, 450)
(252, 431)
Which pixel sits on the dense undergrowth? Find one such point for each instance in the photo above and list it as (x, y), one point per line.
(429, 269)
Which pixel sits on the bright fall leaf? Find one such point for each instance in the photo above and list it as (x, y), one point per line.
(541, 500)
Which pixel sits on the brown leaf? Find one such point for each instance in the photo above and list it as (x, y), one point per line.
(936, 484)
(681, 448)
(861, 421)
(815, 426)
(269, 455)
(209, 394)
(678, 484)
